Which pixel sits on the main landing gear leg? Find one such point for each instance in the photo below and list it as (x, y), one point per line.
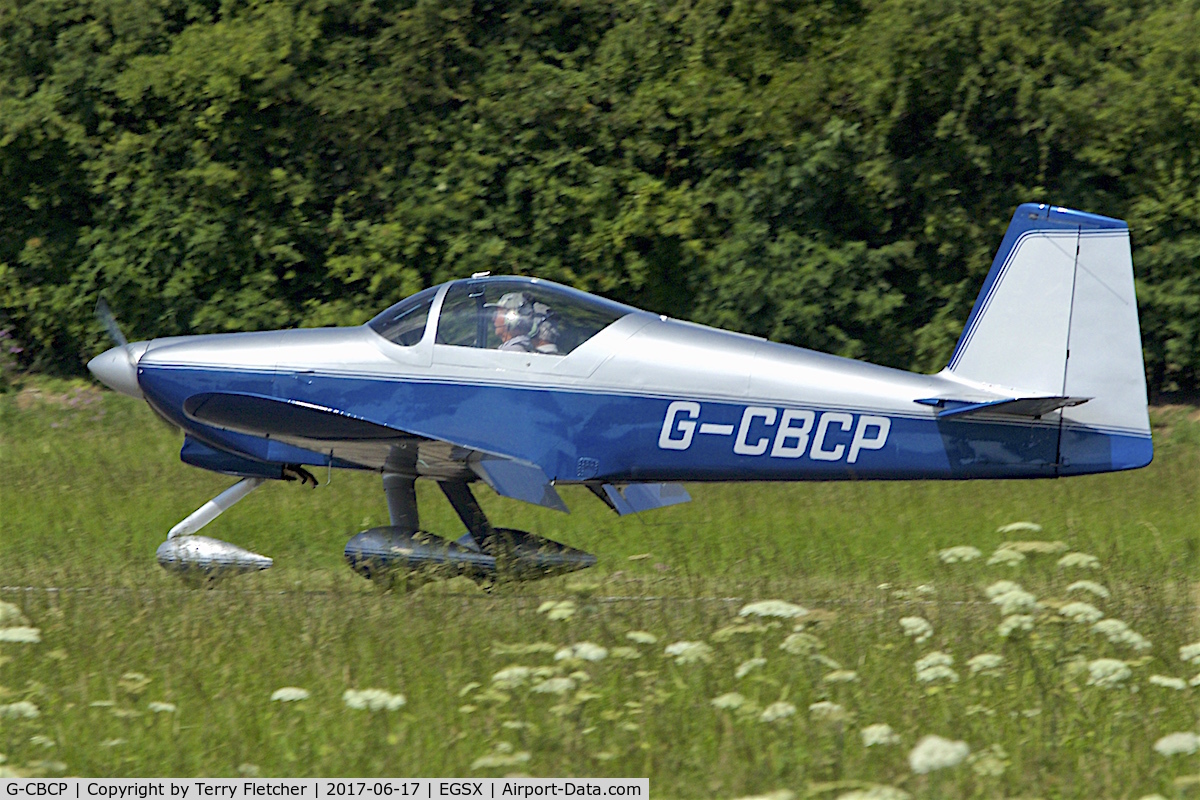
(519, 555)
(401, 494)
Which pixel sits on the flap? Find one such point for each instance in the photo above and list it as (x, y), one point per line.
(634, 497)
(518, 480)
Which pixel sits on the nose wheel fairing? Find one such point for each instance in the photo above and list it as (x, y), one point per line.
(202, 560)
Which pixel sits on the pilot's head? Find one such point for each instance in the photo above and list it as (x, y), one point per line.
(514, 315)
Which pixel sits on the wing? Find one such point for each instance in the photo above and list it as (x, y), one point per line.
(361, 442)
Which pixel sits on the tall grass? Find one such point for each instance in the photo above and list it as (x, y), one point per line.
(92, 482)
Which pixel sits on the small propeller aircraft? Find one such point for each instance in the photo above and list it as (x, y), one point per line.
(527, 385)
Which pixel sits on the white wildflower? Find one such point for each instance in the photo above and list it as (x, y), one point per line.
(39, 740)
(925, 589)
(557, 609)
(1017, 623)
(511, 677)
(985, 663)
(554, 686)
(517, 725)
(501, 759)
(134, 683)
(729, 701)
(689, 652)
(584, 651)
(11, 616)
(916, 627)
(522, 648)
(748, 666)
(801, 644)
(1002, 587)
(1035, 547)
(934, 752)
(1174, 744)
(373, 700)
(22, 709)
(827, 711)
(1195, 681)
(841, 676)
(1005, 558)
(878, 735)
(641, 637)
(740, 629)
(1107, 673)
(1091, 587)
(20, 635)
(773, 608)
(959, 554)
(825, 661)
(876, 793)
(1117, 632)
(1017, 601)
(627, 653)
(938, 673)
(1084, 613)
(935, 659)
(1190, 653)
(1013, 527)
(162, 708)
(289, 694)
(777, 711)
(1079, 561)
(1167, 682)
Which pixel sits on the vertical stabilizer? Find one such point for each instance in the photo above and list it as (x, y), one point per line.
(1057, 316)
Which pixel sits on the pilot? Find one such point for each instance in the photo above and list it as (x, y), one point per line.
(524, 325)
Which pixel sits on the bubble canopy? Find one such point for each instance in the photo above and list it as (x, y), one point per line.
(502, 313)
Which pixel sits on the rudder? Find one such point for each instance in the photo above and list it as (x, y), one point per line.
(1057, 316)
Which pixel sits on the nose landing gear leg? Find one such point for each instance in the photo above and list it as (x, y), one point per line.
(202, 560)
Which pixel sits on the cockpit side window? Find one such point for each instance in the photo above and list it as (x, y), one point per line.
(404, 323)
(461, 321)
(522, 316)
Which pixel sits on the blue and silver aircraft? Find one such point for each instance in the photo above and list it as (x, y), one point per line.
(527, 385)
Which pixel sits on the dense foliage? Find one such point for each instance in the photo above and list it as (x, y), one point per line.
(830, 173)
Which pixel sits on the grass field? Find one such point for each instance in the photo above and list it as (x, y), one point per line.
(135, 675)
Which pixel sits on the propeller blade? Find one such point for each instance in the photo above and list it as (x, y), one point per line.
(105, 315)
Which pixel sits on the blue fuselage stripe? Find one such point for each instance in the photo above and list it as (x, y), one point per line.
(642, 438)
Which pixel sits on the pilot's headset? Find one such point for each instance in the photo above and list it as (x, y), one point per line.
(518, 312)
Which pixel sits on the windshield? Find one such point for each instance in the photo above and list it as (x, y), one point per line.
(523, 316)
(404, 323)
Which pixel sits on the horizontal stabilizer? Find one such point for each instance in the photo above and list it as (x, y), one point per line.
(635, 497)
(1027, 407)
(518, 480)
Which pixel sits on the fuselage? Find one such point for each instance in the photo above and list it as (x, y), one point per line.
(646, 398)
